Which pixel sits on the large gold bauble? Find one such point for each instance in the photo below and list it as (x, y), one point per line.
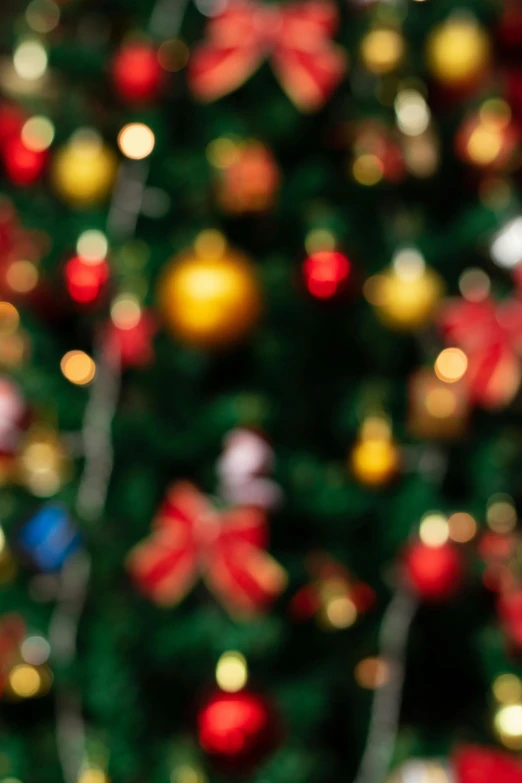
(406, 303)
(458, 51)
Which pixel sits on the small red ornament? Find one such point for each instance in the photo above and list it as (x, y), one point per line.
(433, 572)
(474, 764)
(191, 538)
(85, 280)
(325, 273)
(137, 74)
(237, 730)
(23, 166)
(133, 343)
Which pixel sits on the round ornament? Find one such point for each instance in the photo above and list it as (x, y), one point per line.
(375, 458)
(237, 730)
(83, 171)
(382, 50)
(458, 52)
(137, 74)
(86, 280)
(209, 296)
(433, 572)
(23, 165)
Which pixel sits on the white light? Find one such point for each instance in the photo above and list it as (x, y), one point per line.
(506, 247)
(409, 264)
(92, 245)
(413, 114)
(211, 7)
(35, 650)
(30, 60)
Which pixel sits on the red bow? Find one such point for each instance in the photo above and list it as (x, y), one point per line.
(474, 764)
(192, 538)
(491, 336)
(295, 37)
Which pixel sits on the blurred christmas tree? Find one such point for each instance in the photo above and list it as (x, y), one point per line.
(260, 268)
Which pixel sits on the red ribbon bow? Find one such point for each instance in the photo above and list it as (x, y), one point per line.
(192, 538)
(295, 37)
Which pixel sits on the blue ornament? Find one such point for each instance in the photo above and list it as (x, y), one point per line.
(49, 537)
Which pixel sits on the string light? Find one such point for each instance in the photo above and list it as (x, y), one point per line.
(434, 530)
(367, 169)
(30, 60)
(21, 276)
(126, 311)
(508, 724)
(340, 611)
(25, 681)
(92, 245)
(78, 367)
(451, 365)
(506, 246)
(325, 271)
(412, 112)
(231, 672)
(507, 689)
(9, 318)
(38, 133)
(462, 527)
(372, 673)
(35, 650)
(409, 264)
(136, 141)
(501, 514)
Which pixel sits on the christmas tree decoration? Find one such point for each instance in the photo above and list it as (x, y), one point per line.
(243, 469)
(458, 51)
(191, 538)
(78, 367)
(488, 138)
(326, 273)
(433, 572)
(382, 50)
(209, 297)
(476, 764)
(237, 730)
(296, 37)
(232, 672)
(422, 770)
(49, 538)
(437, 409)
(377, 154)
(13, 411)
(375, 458)
(83, 170)
(23, 165)
(334, 597)
(43, 464)
(406, 295)
(247, 175)
(136, 141)
(86, 279)
(24, 673)
(130, 332)
(137, 74)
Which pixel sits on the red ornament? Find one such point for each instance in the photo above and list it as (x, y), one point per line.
(12, 120)
(191, 538)
(296, 38)
(137, 74)
(133, 343)
(23, 166)
(85, 280)
(433, 572)
(474, 764)
(237, 729)
(248, 179)
(325, 273)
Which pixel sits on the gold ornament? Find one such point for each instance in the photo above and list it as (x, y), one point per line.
(375, 458)
(382, 50)
(43, 464)
(209, 296)
(458, 51)
(406, 295)
(83, 171)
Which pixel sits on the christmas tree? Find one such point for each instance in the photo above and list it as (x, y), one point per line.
(260, 345)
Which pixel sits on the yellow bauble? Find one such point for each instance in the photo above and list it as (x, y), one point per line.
(458, 51)
(209, 296)
(405, 296)
(83, 171)
(382, 50)
(374, 462)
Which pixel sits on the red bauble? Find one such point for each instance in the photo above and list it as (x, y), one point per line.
(237, 729)
(137, 74)
(23, 166)
(325, 272)
(433, 572)
(474, 764)
(133, 343)
(85, 280)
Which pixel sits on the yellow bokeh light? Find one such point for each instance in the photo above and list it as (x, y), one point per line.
(92, 245)
(441, 403)
(30, 60)
(508, 724)
(484, 144)
(372, 673)
(462, 527)
(21, 276)
(382, 50)
(38, 133)
(412, 112)
(78, 367)
(223, 152)
(340, 611)
(434, 530)
(451, 365)
(507, 689)
(25, 681)
(9, 318)
(367, 169)
(126, 311)
(187, 774)
(501, 514)
(93, 775)
(136, 140)
(231, 672)
(409, 264)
